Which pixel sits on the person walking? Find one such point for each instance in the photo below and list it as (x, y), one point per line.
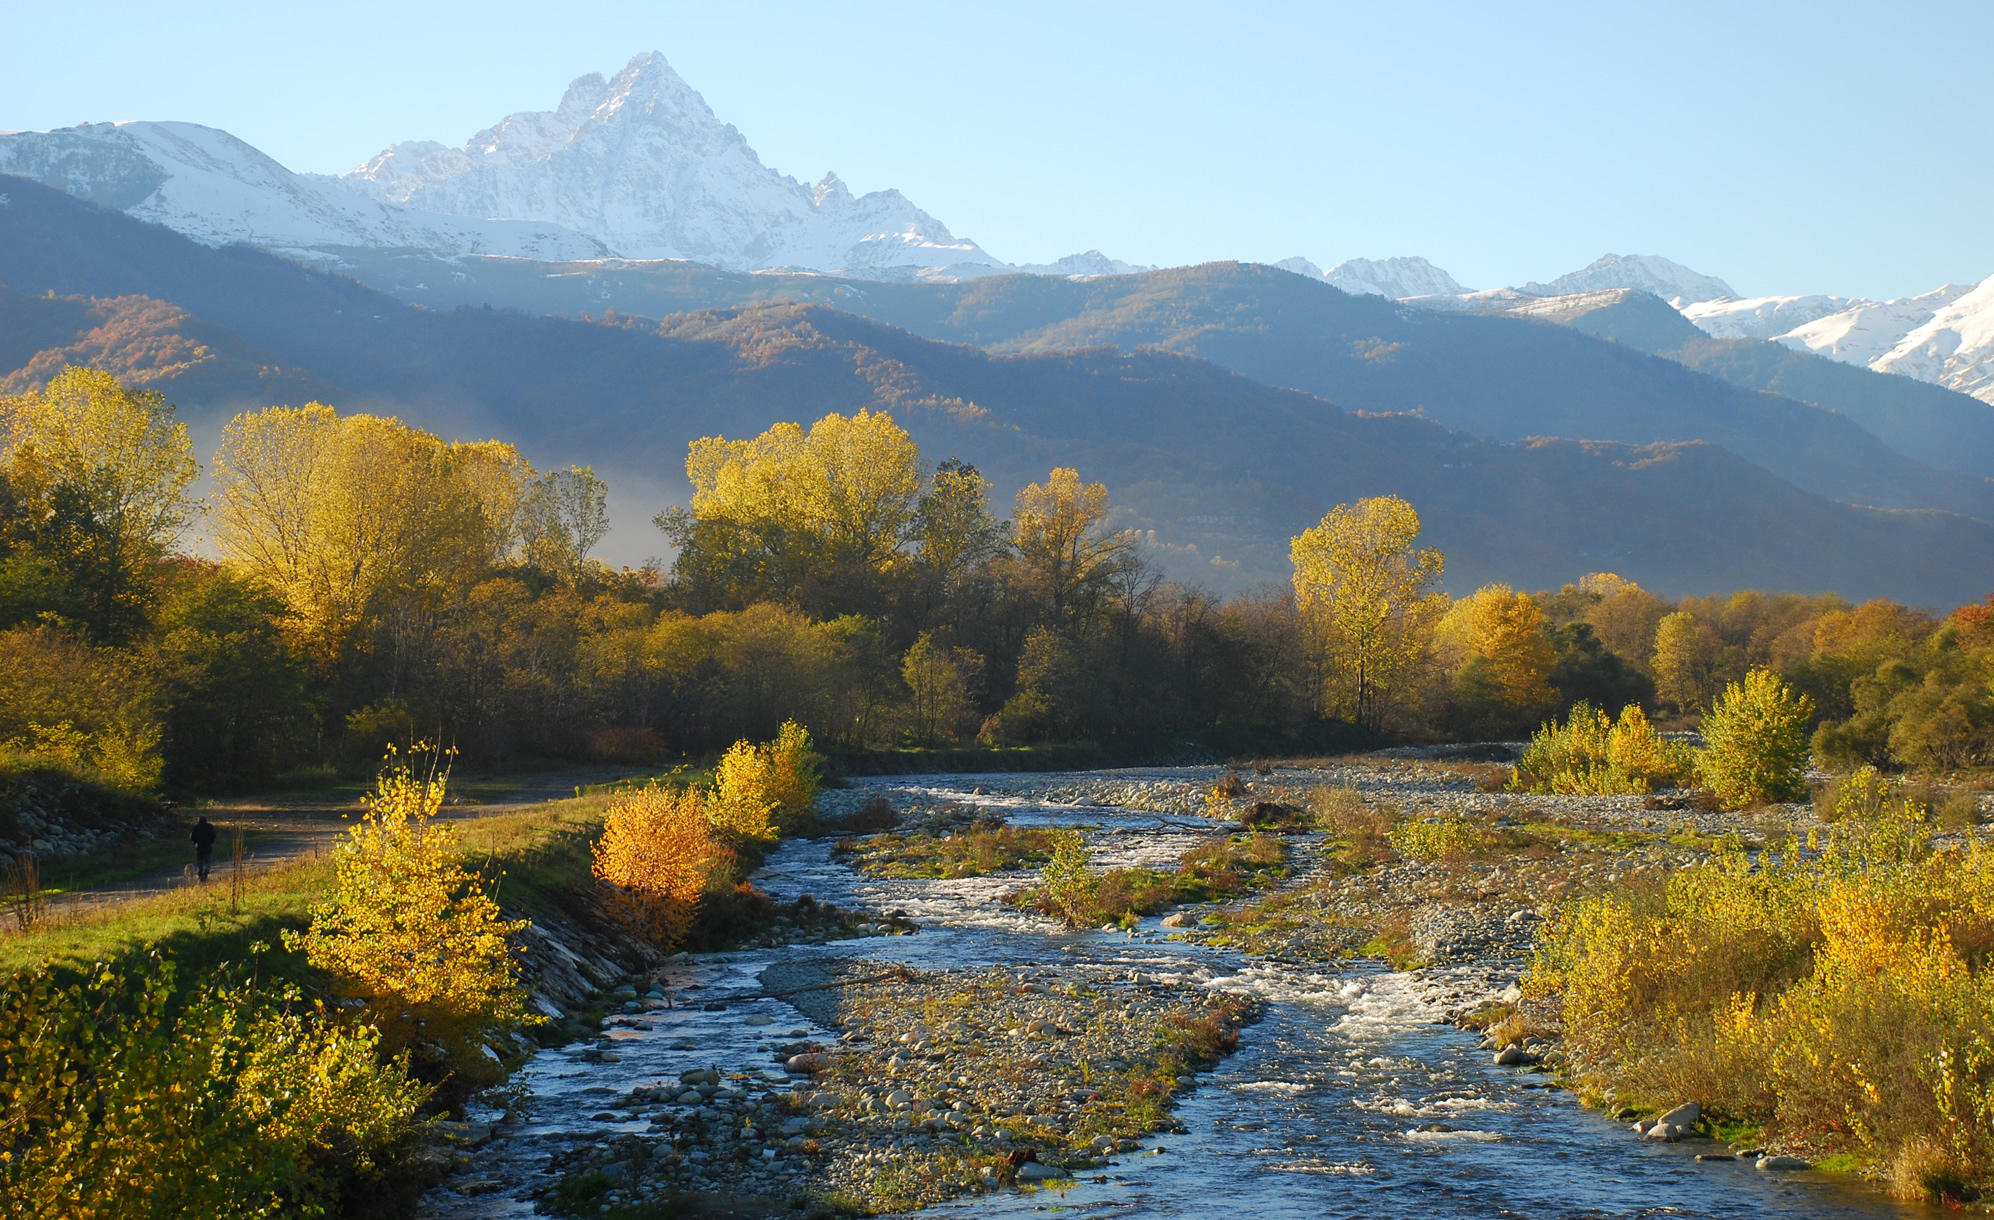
(204, 844)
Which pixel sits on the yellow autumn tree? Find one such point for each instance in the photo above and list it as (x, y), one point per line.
(1062, 538)
(410, 933)
(102, 473)
(1508, 657)
(795, 774)
(330, 512)
(1684, 661)
(1366, 597)
(658, 855)
(953, 524)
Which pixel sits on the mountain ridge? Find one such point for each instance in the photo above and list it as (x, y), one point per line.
(1217, 469)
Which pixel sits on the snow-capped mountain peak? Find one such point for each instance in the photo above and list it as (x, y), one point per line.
(217, 189)
(635, 165)
(640, 163)
(1669, 280)
(1396, 278)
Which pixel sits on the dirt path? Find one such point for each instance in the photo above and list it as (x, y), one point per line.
(279, 830)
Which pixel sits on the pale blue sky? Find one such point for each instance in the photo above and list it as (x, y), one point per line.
(1825, 147)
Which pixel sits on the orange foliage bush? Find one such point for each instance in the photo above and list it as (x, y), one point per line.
(657, 854)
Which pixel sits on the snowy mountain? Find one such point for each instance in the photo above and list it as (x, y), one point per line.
(640, 164)
(216, 189)
(1955, 348)
(636, 167)
(1396, 278)
(1668, 280)
(1945, 336)
(1762, 317)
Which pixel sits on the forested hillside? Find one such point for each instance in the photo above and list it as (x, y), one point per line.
(1490, 374)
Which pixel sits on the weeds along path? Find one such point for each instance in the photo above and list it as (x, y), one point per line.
(276, 829)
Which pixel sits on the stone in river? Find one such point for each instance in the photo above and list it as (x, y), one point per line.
(1782, 1162)
(1684, 1115)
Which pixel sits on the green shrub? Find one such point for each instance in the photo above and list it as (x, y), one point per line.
(122, 1100)
(1755, 743)
(1591, 755)
(1436, 837)
(1069, 884)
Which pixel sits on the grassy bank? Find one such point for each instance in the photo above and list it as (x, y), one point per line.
(1833, 993)
(167, 1054)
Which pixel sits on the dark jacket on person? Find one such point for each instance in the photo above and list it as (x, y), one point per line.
(204, 836)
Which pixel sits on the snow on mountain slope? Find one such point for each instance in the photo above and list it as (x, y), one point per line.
(1668, 280)
(635, 166)
(1763, 317)
(1396, 278)
(1954, 349)
(640, 163)
(216, 189)
(1869, 330)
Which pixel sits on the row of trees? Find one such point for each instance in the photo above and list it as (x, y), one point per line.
(372, 582)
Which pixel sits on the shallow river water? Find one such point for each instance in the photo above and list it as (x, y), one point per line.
(1349, 1099)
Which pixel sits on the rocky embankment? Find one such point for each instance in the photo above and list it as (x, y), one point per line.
(53, 816)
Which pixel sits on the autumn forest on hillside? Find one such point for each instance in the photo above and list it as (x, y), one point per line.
(371, 584)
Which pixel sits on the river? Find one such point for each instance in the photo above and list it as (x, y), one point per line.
(1348, 1099)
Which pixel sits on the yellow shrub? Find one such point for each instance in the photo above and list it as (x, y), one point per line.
(761, 790)
(742, 801)
(123, 759)
(795, 773)
(657, 854)
(411, 933)
(1433, 838)
(1591, 755)
(125, 1098)
(1844, 1002)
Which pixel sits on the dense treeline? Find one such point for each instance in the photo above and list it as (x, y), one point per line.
(373, 584)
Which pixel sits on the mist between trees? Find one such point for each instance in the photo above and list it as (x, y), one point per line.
(377, 585)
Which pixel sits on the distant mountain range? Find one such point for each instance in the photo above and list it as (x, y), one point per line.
(637, 167)
(1218, 469)
(1944, 337)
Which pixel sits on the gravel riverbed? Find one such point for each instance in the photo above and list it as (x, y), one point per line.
(968, 1050)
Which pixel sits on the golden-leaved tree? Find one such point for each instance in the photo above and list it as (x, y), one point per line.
(657, 854)
(1063, 540)
(1508, 655)
(101, 474)
(953, 523)
(334, 512)
(790, 514)
(412, 935)
(1366, 596)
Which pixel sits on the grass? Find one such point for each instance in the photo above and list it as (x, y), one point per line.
(535, 857)
(984, 848)
(1213, 871)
